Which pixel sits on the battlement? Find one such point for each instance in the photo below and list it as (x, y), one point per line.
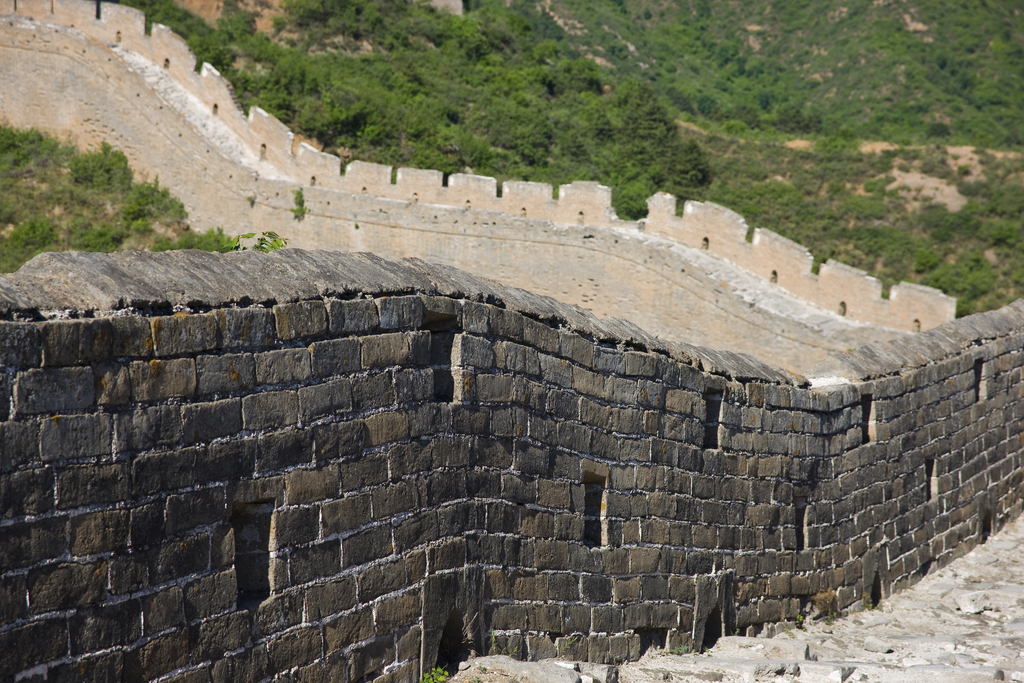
(269, 145)
(838, 287)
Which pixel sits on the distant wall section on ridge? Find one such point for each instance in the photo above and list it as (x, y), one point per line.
(837, 287)
(272, 153)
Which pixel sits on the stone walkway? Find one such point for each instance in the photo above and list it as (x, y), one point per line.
(961, 624)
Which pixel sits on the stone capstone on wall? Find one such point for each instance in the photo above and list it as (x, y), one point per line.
(314, 465)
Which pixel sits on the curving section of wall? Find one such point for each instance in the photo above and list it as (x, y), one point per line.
(261, 148)
(837, 287)
(310, 465)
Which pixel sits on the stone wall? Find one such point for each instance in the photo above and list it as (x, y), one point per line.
(220, 190)
(313, 466)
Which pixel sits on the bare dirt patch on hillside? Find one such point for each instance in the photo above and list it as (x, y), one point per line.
(877, 147)
(211, 10)
(918, 188)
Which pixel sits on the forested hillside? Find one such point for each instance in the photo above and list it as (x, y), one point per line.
(905, 71)
(53, 198)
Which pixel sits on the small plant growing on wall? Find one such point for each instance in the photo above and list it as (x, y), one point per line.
(300, 204)
(267, 241)
(435, 675)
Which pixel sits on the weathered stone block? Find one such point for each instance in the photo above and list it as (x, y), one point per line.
(181, 333)
(651, 394)
(351, 628)
(102, 628)
(353, 317)
(282, 365)
(286, 448)
(112, 384)
(105, 627)
(394, 499)
(338, 439)
(576, 348)
(76, 342)
(227, 460)
(540, 336)
(638, 364)
(556, 370)
(92, 484)
(345, 514)
(56, 390)
(66, 437)
(325, 599)
(295, 649)
(385, 349)
(329, 398)
(304, 319)
(401, 312)
(472, 352)
(335, 357)
(315, 561)
(226, 374)
(517, 358)
(163, 610)
(176, 558)
(295, 526)
(589, 383)
(193, 509)
(210, 595)
(99, 532)
(365, 546)
(24, 647)
(20, 345)
(158, 380)
(65, 585)
(202, 422)
(28, 543)
(156, 657)
(279, 612)
(219, 635)
(375, 391)
(19, 443)
(381, 580)
(385, 428)
(308, 486)
(28, 492)
(414, 385)
(270, 409)
(164, 471)
(244, 328)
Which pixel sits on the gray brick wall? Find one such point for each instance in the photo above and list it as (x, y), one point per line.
(307, 488)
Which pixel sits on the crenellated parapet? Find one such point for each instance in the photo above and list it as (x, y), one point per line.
(270, 151)
(838, 287)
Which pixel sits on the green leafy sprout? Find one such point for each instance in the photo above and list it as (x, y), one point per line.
(267, 241)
